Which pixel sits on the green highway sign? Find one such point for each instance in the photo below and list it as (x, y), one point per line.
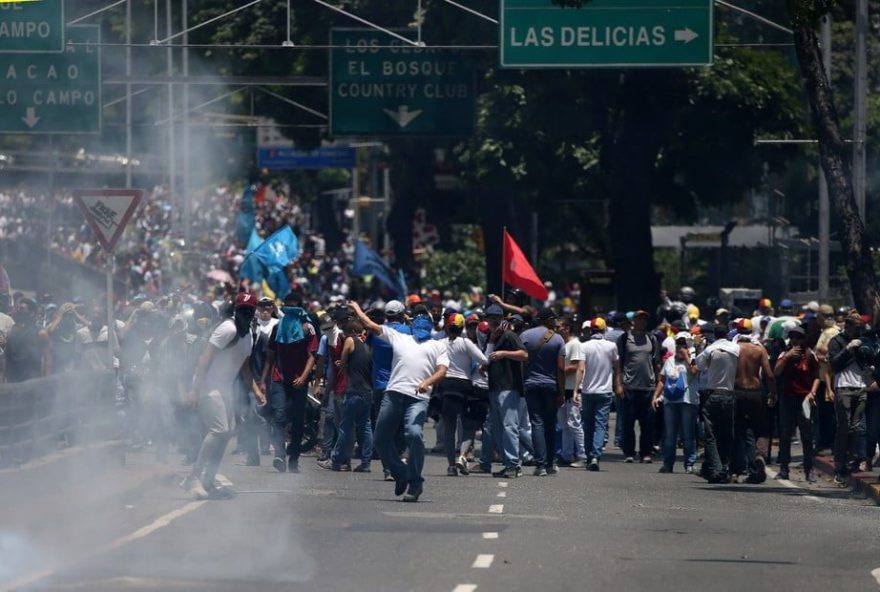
(32, 26)
(54, 93)
(606, 34)
(381, 86)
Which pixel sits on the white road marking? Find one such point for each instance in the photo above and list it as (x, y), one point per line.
(465, 588)
(160, 522)
(786, 483)
(876, 574)
(496, 509)
(502, 484)
(502, 494)
(483, 561)
(490, 535)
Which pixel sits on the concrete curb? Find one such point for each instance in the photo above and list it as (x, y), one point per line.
(864, 483)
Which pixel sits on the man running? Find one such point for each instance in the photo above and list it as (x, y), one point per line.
(226, 355)
(415, 369)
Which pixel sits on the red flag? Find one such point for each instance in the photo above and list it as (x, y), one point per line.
(517, 271)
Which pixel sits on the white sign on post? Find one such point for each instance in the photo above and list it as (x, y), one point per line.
(108, 211)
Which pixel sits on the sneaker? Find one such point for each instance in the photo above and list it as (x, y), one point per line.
(839, 479)
(863, 467)
(279, 465)
(451, 471)
(594, 465)
(507, 473)
(361, 468)
(412, 496)
(689, 470)
(346, 468)
(399, 486)
(761, 469)
(197, 491)
(292, 465)
(222, 493)
(812, 477)
(665, 470)
(646, 460)
(462, 465)
(328, 465)
(478, 468)
(578, 464)
(783, 473)
(629, 460)
(388, 476)
(552, 469)
(518, 471)
(540, 472)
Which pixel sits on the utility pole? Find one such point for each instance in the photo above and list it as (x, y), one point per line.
(187, 206)
(824, 205)
(860, 107)
(128, 95)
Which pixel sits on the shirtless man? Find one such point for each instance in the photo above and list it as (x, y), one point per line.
(752, 426)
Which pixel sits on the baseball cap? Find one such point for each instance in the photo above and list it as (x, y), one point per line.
(586, 325)
(744, 325)
(721, 311)
(826, 310)
(643, 313)
(765, 303)
(693, 311)
(813, 306)
(413, 299)
(545, 314)
(796, 332)
(266, 301)
(455, 320)
(494, 310)
(472, 318)
(598, 324)
(787, 304)
(245, 300)
(394, 308)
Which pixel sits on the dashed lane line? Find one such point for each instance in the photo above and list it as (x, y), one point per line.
(502, 484)
(876, 574)
(490, 536)
(465, 588)
(483, 561)
(502, 494)
(496, 509)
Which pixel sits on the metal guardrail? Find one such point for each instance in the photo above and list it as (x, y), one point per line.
(43, 415)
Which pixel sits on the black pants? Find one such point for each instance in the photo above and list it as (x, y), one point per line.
(718, 417)
(636, 407)
(791, 416)
(541, 402)
(454, 393)
(850, 407)
(751, 431)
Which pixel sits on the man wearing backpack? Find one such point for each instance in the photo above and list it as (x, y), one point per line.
(639, 355)
(544, 387)
(677, 392)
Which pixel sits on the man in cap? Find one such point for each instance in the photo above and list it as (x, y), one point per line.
(226, 356)
(639, 355)
(544, 387)
(416, 368)
(598, 363)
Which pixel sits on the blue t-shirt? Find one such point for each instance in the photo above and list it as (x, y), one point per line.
(543, 360)
(382, 355)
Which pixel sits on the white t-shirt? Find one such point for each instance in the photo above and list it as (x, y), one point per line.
(571, 351)
(599, 356)
(412, 362)
(463, 355)
(229, 359)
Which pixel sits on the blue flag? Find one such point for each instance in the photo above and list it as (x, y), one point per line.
(267, 259)
(368, 262)
(247, 216)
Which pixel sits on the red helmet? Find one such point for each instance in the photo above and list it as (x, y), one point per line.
(483, 327)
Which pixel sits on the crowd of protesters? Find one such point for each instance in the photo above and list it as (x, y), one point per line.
(508, 385)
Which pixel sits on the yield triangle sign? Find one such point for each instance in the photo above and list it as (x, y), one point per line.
(108, 211)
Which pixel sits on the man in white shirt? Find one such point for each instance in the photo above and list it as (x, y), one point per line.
(227, 353)
(415, 369)
(598, 364)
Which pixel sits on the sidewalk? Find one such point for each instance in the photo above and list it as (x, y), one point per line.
(865, 483)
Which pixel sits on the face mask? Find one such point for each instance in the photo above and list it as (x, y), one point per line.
(243, 318)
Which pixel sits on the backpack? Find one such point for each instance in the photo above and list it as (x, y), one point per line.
(674, 388)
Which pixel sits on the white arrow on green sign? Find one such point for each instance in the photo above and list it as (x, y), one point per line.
(56, 93)
(32, 26)
(606, 34)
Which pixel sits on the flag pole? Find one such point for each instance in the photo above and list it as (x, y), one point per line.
(503, 257)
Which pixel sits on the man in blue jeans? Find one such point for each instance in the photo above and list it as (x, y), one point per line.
(544, 387)
(289, 361)
(417, 364)
(506, 356)
(598, 364)
(357, 365)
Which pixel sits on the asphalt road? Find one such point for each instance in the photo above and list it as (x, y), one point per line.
(625, 528)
